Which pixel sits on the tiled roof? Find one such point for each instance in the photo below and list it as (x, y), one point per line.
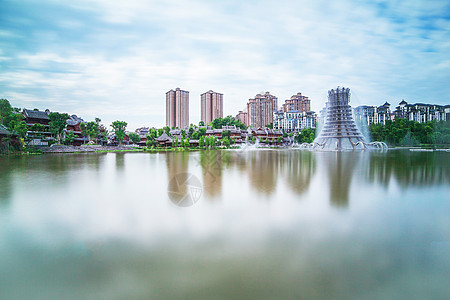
(3, 130)
(163, 137)
(74, 120)
(175, 131)
(36, 114)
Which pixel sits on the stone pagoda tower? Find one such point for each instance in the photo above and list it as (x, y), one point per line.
(339, 130)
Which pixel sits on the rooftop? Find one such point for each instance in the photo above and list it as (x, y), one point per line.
(3, 130)
(36, 114)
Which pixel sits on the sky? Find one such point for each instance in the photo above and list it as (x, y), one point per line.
(116, 59)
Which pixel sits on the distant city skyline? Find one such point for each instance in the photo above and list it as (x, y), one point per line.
(117, 59)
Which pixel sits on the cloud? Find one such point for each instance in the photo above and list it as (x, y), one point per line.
(116, 59)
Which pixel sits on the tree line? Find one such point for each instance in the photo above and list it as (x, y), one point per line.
(403, 132)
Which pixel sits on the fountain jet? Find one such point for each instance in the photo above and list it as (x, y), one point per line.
(339, 131)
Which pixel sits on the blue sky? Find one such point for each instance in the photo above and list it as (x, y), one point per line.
(117, 59)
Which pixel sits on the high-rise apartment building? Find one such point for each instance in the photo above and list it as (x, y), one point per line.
(177, 108)
(298, 103)
(211, 106)
(260, 109)
(243, 117)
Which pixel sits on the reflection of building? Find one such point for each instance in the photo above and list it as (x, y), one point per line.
(409, 169)
(298, 168)
(212, 165)
(297, 103)
(260, 109)
(340, 167)
(211, 106)
(339, 131)
(177, 108)
(177, 163)
(262, 170)
(294, 120)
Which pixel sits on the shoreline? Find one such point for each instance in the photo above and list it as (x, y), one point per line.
(58, 149)
(88, 149)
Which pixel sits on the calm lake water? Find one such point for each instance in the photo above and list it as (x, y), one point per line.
(265, 224)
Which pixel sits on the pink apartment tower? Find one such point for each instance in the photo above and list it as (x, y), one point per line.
(211, 104)
(177, 108)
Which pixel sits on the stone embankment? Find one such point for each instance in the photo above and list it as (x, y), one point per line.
(90, 148)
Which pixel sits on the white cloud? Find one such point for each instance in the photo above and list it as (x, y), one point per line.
(135, 51)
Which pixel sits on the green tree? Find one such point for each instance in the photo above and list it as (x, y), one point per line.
(201, 142)
(201, 123)
(186, 143)
(227, 121)
(226, 133)
(226, 142)
(38, 130)
(195, 135)
(103, 133)
(70, 137)
(58, 124)
(167, 130)
(201, 131)
(5, 111)
(175, 142)
(134, 137)
(21, 129)
(191, 131)
(90, 130)
(119, 130)
(160, 131)
(152, 134)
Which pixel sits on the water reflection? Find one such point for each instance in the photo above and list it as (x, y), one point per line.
(340, 168)
(120, 161)
(139, 247)
(298, 169)
(177, 163)
(6, 173)
(409, 168)
(44, 169)
(212, 164)
(263, 170)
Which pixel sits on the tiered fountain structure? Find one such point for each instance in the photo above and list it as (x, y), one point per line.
(339, 131)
